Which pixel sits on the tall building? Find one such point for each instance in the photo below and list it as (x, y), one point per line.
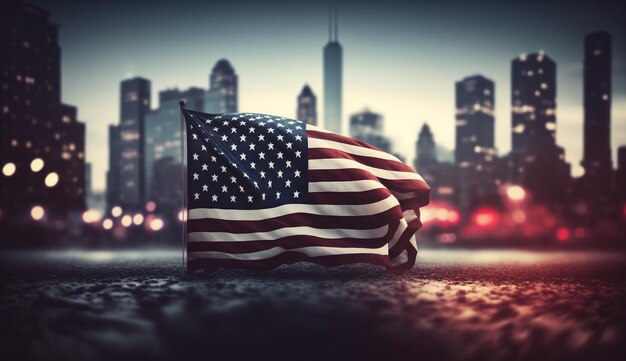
(126, 146)
(475, 152)
(333, 78)
(536, 161)
(474, 121)
(621, 174)
(368, 127)
(597, 102)
(307, 106)
(42, 144)
(162, 141)
(425, 150)
(222, 94)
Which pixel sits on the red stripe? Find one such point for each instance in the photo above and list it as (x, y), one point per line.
(295, 220)
(291, 242)
(342, 175)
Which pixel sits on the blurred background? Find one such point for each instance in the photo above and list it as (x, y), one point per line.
(515, 113)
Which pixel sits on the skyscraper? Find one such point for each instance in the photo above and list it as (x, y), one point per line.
(621, 174)
(127, 167)
(474, 121)
(475, 153)
(536, 161)
(597, 102)
(425, 151)
(42, 144)
(333, 78)
(162, 140)
(222, 94)
(307, 106)
(368, 127)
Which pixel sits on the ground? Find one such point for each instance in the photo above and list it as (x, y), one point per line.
(454, 305)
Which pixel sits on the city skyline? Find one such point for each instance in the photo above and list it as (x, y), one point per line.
(399, 79)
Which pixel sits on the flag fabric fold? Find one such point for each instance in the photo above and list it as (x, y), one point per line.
(265, 190)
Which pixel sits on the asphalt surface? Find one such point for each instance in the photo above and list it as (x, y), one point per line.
(455, 305)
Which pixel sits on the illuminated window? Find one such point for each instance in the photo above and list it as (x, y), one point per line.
(130, 96)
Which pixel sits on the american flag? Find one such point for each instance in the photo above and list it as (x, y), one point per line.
(265, 190)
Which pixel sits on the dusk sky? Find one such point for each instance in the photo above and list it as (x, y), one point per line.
(401, 59)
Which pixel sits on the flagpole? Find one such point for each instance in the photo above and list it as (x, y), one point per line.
(183, 192)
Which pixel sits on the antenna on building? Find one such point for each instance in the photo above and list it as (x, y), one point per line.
(332, 23)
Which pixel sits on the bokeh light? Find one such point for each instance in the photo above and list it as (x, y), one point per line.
(116, 211)
(37, 212)
(107, 224)
(91, 215)
(150, 206)
(9, 169)
(52, 179)
(486, 217)
(516, 193)
(127, 220)
(138, 219)
(156, 224)
(36, 165)
(562, 234)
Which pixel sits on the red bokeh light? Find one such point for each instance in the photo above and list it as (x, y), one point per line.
(486, 217)
(562, 234)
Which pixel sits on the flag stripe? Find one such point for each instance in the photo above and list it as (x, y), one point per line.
(342, 164)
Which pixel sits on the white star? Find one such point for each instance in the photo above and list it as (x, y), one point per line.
(253, 165)
(297, 174)
(195, 176)
(194, 135)
(241, 189)
(252, 146)
(280, 137)
(208, 121)
(234, 118)
(280, 174)
(214, 176)
(270, 146)
(225, 122)
(246, 175)
(270, 130)
(288, 164)
(251, 129)
(289, 145)
(280, 125)
(224, 189)
(224, 138)
(262, 174)
(280, 155)
(261, 137)
(214, 198)
(213, 159)
(249, 199)
(261, 155)
(196, 196)
(233, 130)
(205, 167)
(263, 196)
(216, 129)
(242, 138)
(232, 199)
(269, 184)
(223, 169)
(296, 194)
(271, 165)
(288, 183)
(233, 179)
(277, 195)
(243, 122)
(204, 148)
(298, 127)
(298, 154)
(205, 188)
(289, 131)
(256, 185)
(243, 156)
(233, 147)
(299, 137)
(195, 156)
(291, 122)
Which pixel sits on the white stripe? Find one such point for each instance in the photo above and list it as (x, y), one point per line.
(351, 149)
(313, 251)
(286, 232)
(340, 163)
(320, 209)
(396, 237)
(345, 186)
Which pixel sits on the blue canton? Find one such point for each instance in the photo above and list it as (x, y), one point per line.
(245, 161)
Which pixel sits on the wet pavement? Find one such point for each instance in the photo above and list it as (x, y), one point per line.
(455, 305)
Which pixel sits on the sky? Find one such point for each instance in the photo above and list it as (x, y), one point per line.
(401, 58)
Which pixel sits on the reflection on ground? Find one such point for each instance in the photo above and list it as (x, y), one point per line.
(455, 305)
